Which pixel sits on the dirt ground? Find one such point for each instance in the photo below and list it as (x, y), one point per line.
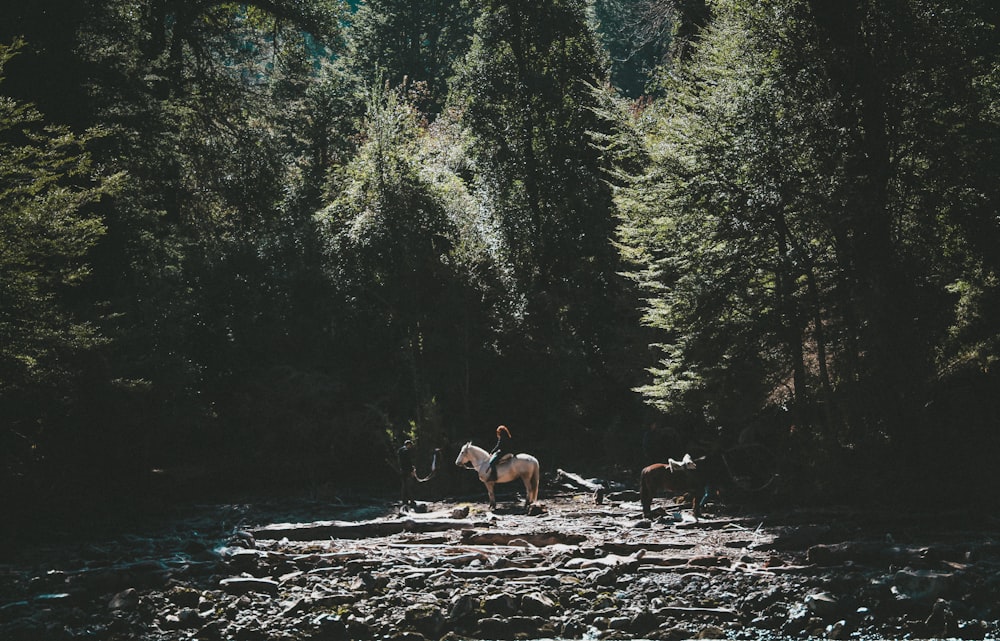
(570, 568)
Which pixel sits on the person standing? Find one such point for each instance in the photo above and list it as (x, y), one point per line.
(407, 472)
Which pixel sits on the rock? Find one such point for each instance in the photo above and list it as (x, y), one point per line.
(535, 603)
(837, 630)
(460, 512)
(573, 629)
(124, 600)
(500, 604)
(941, 621)
(189, 618)
(605, 577)
(330, 626)
(972, 630)
(243, 539)
(359, 628)
(462, 606)
(184, 597)
(603, 602)
(243, 585)
(211, 631)
(822, 604)
(670, 633)
(415, 580)
(252, 632)
(798, 618)
(921, 585)
(642, 622)
(619, 623)
(494, 628)
(530, 627)
(426, 619)
(293, 607)
(242, 559)
(711, 632)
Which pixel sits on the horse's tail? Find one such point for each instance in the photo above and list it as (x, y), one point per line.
(433, 472)
(535, 479)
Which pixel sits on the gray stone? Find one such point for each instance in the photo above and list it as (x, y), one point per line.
(500, 604)
(619, 623)
(184, 597)
(536, 603)
(494, 628)
(463, 606)
(242, 585)
(124, 600)
(822, 604)
(426, 619)
(837, 630)
(532, 627)
(642, 622)
(921, 585)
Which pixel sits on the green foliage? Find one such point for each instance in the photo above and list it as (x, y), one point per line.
(799, 228)
(523, 94)
(804, 196)
(645, 36)
(48, 230)
(390, 245)
(416, 42)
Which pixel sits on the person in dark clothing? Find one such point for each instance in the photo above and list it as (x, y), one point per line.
(502, 447)
(407, 472)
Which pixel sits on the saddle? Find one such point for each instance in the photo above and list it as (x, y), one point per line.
(500, 459)
(686, 463)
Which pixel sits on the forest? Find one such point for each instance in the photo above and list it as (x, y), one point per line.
(256, 245)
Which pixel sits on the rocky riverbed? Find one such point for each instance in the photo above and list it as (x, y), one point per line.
(571, 568)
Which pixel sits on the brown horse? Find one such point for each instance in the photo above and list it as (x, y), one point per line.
(696, 477)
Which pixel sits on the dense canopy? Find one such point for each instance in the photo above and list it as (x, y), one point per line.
(271, 240)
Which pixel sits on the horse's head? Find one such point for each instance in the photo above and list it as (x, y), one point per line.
(463, 455)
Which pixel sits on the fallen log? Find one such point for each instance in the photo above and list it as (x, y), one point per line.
(611, 560)
(538, 539)
(683, 611)
(620, 547)
(512, 572)
(579, 481)
(318, 530)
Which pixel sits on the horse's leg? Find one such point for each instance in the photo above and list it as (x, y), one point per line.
(526, 479)
(493, 499)
(645, 494)
(535, 474)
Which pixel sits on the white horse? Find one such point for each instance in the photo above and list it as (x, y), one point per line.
(518, 466)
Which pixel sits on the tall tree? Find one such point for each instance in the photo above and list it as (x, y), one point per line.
(48, 230)
(524, 94)
(414, 41)
(785, 226)
(390, 244)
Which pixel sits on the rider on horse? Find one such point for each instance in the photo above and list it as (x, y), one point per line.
(501, 448)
